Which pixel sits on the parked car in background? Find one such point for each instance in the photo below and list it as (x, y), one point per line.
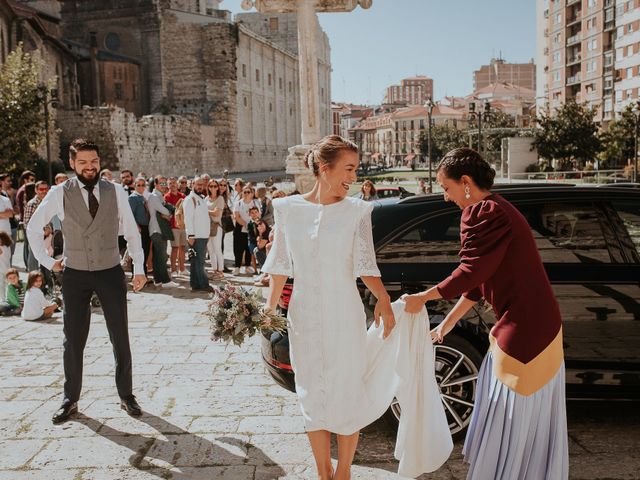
(589, 241)
(393, 192)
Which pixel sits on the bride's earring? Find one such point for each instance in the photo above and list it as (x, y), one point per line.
(467, 192)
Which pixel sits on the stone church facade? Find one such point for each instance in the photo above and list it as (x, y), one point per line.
(177, 86)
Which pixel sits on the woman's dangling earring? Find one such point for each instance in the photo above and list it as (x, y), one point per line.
(467, 192)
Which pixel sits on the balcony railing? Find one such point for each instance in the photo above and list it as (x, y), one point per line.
(574, 79)
(573, 60)
(571, 2)
(575, 19)
(574, 39)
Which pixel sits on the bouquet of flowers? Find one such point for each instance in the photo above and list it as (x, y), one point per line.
(235, 313)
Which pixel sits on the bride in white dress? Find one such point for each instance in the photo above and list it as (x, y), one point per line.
(324, 240)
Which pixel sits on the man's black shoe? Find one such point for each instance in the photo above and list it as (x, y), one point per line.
(130, 405)
(205, 289)
(66, 410)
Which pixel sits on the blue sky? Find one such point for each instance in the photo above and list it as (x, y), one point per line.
(444, 39)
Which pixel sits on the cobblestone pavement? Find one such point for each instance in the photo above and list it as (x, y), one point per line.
(211, 411)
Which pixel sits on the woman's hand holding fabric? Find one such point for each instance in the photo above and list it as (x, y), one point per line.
(383, 310)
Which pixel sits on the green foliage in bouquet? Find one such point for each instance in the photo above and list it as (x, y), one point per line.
(235, 314)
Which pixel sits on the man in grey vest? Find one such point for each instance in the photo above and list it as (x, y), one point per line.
(91, 211)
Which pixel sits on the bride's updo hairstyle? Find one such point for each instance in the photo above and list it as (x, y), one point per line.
(466, 161)
(326, 151)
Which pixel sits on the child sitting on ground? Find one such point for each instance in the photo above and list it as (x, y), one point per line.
(14, 294)
(36, 306)
(5, 261)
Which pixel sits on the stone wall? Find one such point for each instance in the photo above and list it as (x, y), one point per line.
(199, 72)
(167, 144)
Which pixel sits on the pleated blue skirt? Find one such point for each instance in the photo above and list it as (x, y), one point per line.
(513, 437)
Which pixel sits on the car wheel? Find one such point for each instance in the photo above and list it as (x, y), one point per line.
(457, 364)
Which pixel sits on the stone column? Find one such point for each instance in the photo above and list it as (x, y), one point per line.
(309, 94)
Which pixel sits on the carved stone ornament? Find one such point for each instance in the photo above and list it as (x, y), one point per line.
(290, 6)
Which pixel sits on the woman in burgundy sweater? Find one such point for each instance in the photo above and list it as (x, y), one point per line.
(518, 429)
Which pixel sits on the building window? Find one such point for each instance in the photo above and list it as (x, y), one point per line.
(257, 75)
(269, 79)
(592, 3)
(608, 105)
(629, 72)
(290, 87)
(244, 101)
(559, 18)
(629, 50)
(117, 87)
(244, 71)
(280, 83)
(270, 107)
(556, 57)
(273, 24)
(630, 28)
(135, 91)
(290, 111)
(592, 45)
(112, 41)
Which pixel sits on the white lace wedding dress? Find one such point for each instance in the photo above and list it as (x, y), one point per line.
(345, 376)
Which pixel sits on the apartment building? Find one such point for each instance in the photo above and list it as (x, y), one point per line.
(411, 91)
(500, 71)
(591, 53)
(627, 53)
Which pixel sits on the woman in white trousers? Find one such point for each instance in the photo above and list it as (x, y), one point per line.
(215, 204)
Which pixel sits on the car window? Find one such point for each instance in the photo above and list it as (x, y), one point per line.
(572, 232)
(629, 214)
(435, 239)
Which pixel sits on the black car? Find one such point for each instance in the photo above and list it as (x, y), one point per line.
(589, 241)
(391, 192)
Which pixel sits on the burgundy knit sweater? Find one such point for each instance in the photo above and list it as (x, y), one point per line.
(499, 261)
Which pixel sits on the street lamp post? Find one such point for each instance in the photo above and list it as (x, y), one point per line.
(48, 97)
(429, 107)
(480, 116)
(636, 112)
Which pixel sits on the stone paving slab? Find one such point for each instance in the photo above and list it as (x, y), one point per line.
(211, 410)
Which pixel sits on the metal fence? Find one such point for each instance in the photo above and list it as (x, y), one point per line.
(571, 176)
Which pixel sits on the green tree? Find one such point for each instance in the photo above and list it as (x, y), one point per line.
(21, 114)
(568, 136)
(443, 139)
(618, 140)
